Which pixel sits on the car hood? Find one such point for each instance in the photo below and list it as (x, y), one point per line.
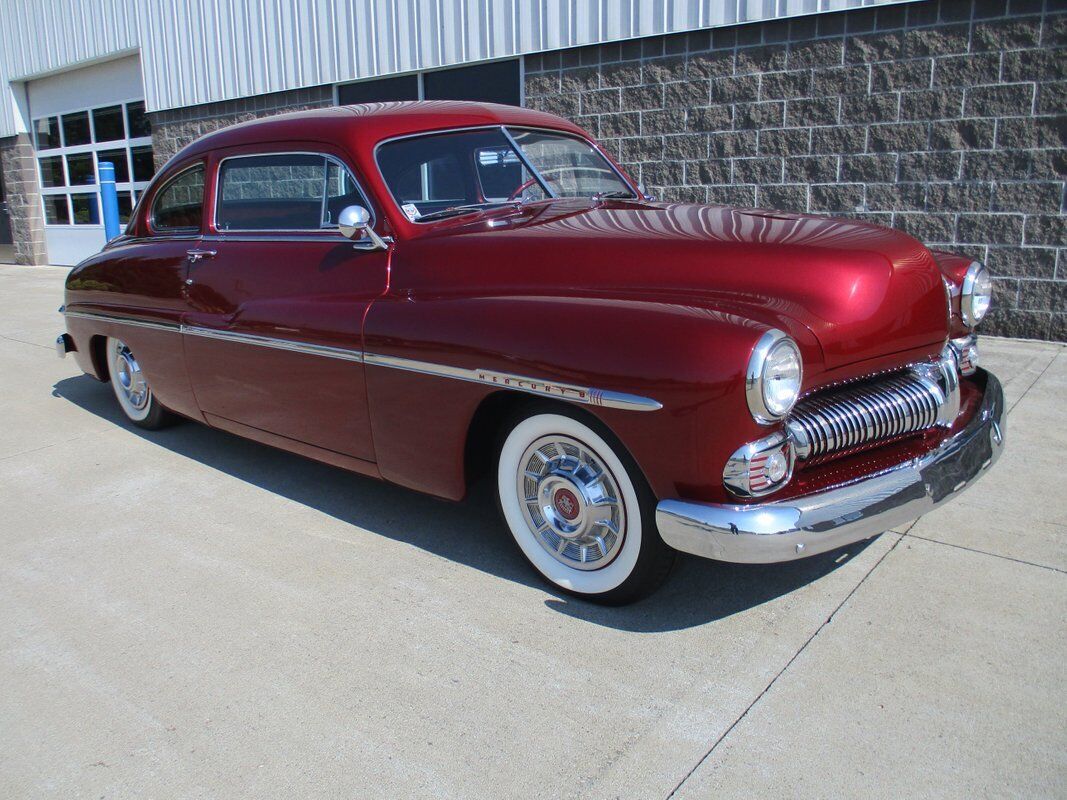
(863, 291)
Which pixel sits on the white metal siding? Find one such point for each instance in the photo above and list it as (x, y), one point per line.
(199, 51)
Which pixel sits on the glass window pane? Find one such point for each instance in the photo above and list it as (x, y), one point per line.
(76, 129)
(503, 176)
(118, 158)
(179, 204)
(570, 166)
(433, 174)
(52, 171)
(81, 170)
(276, 192)
(86, 209)
(125, 207)
(341, 192)
(137, 121)
(107, 124)
(56, 211)
(144, 167)
(46, 132)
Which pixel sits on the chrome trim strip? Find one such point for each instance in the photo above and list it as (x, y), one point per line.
(131, 321)
(275, 344)
(763, 533)
(519, 383)
(562, 391)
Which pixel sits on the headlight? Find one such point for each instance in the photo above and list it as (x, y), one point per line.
(772, 382)
(976, 295)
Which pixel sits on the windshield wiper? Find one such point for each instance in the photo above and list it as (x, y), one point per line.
(453, 210)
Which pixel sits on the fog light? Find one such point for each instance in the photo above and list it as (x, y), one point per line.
(760, 467)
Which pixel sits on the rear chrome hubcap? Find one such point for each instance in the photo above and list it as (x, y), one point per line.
(571, 502)
(130, 378)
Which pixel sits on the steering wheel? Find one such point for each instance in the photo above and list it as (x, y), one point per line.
(526, 185)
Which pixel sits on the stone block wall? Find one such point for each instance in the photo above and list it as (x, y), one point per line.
(23, 199)
(946, 119)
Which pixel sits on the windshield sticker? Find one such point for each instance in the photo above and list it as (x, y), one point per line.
(411, 211)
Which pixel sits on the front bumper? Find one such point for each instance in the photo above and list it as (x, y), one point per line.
(803, 526)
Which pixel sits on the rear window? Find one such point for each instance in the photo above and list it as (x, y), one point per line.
(179, 205)
(283, 192)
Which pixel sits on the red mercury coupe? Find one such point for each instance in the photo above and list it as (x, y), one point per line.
(422, 292)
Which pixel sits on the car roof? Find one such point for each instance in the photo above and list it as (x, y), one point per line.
(368, 124)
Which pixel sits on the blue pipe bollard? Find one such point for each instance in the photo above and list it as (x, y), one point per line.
(109, 199)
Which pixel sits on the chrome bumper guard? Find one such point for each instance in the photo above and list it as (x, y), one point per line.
(764, 533)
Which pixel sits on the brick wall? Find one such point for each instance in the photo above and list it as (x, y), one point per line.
(23, 199)
(945, 119)
(175, 128)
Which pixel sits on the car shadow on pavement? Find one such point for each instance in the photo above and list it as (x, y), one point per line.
(698, 591)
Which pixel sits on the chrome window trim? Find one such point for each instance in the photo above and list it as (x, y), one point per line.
(504, 128)
(544, 388)
(151, 216)
(324, 229)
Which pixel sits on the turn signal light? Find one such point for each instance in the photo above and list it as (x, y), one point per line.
(760, 467)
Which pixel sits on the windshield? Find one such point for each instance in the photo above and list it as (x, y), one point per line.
(446, 174)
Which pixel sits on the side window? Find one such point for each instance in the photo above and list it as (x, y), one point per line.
(283, 192)
(179, 205)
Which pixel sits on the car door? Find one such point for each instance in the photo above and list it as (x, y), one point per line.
(276, 301)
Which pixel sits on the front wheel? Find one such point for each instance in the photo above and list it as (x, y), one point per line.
(579, 510)
(132, 390)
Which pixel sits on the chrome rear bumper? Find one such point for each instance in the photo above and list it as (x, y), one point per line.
(804, 526)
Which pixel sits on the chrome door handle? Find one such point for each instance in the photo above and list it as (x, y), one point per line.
(197, 255)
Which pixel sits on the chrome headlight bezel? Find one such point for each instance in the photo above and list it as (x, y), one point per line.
(755, 376)
(971, 312)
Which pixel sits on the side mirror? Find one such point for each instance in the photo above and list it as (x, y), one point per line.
(354, 223)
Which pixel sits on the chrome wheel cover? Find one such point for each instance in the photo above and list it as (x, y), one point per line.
(571, 502)
(130, 380)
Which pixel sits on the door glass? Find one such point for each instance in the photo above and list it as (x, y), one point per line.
(179, 205)
(118, 158)
(107, 124)
(280, 192)
(56, 210)
(76, 129)
(341, 192)
(52, 171)
(81, 169)
(86, 209)
(144, 166)
(137, 120)
(125, 207)
(46, 133)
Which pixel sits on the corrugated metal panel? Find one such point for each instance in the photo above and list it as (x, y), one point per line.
(39, 37)
(199, 51)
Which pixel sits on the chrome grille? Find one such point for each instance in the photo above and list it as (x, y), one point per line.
(899, 404)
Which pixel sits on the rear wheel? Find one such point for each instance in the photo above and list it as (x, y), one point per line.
(579, 510)
(132, 390)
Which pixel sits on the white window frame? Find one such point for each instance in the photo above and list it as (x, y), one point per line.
(132, 187)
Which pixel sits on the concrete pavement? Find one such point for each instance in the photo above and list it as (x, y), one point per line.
(187, 614)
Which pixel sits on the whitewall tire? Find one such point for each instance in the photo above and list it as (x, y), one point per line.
(578, 509)
(131, 388)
